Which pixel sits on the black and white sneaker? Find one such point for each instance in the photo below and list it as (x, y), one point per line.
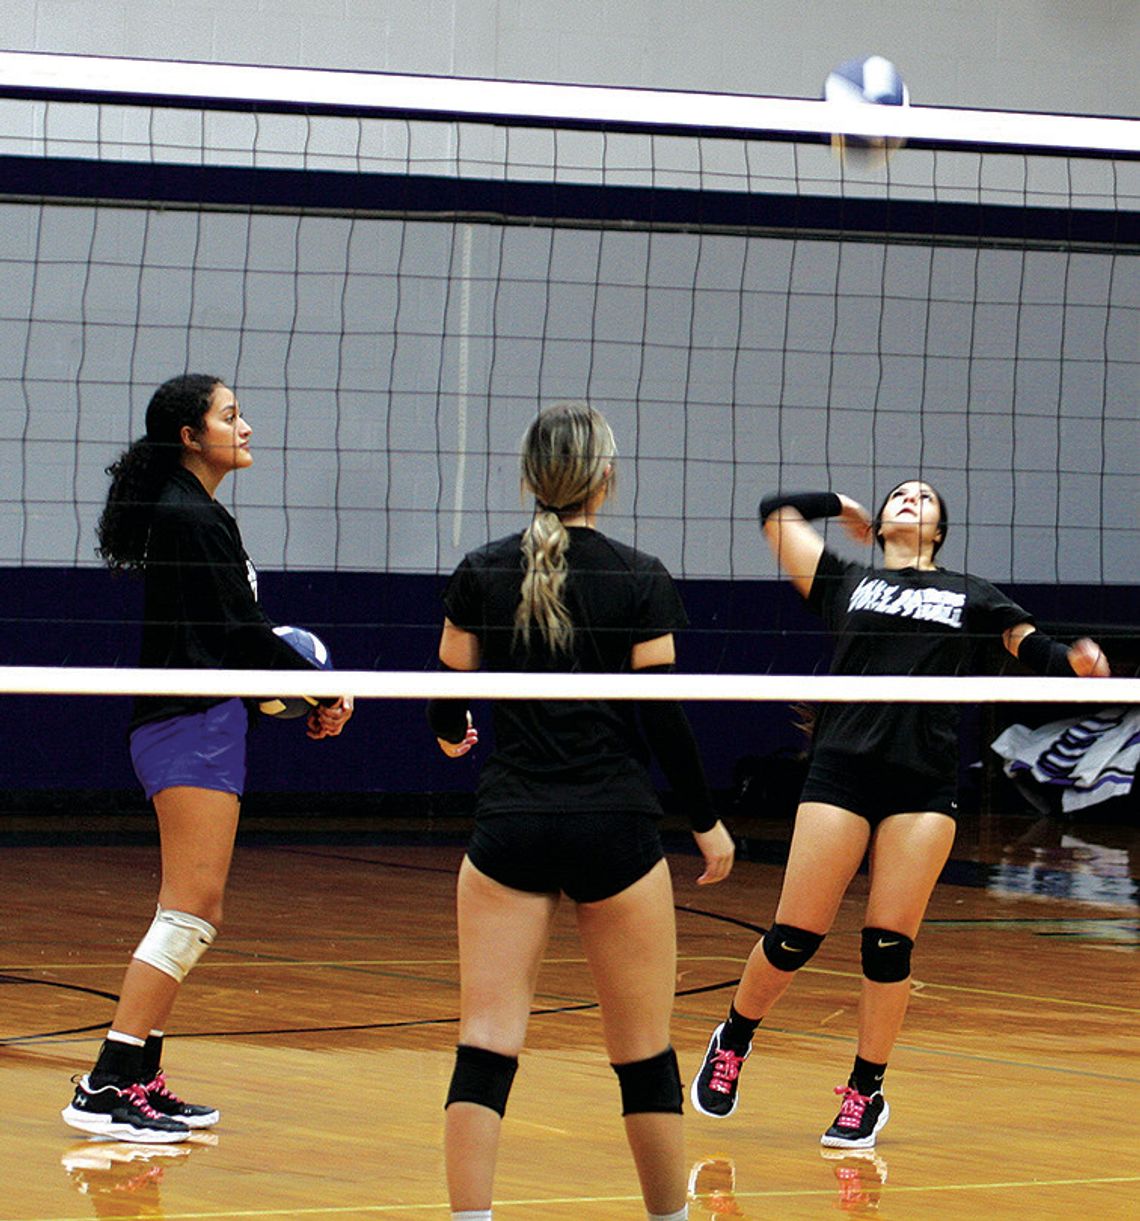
(166, 1102)
(713, 1092)
(861, 1117)
(121, 1113)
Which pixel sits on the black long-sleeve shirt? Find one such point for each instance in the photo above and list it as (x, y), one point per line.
(200, 603)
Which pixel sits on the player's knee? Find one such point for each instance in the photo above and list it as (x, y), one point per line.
(482, 1077)
(175, 941)
(788, 948)
(650, 1085)
(886, 955)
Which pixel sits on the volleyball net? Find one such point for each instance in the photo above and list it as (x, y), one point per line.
(395, 272)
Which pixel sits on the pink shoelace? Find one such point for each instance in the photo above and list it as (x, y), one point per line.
(854, 1104)
(726, 1068)
(158, 1086)
(137, 1095)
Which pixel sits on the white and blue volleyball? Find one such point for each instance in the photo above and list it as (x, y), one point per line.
(869, 81)
(313, 649)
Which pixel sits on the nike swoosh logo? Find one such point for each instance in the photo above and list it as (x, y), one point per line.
(886, 945)
(792, 949)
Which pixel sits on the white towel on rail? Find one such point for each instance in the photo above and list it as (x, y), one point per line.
(1089, 760)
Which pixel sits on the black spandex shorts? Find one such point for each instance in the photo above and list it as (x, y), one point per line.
(587, 856)
(874, 790)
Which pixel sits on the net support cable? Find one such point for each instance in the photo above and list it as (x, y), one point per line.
(419, 685)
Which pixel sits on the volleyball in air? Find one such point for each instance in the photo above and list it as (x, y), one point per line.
(313, 649)
(870, 81)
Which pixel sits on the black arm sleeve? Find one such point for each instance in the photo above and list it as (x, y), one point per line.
(671, 739)
(1045, 656)
(809, 505)
(448, 718)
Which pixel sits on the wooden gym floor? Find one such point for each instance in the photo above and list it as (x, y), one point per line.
(323, 1021)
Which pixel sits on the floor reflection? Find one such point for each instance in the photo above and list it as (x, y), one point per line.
(123, 1179)
(1065, 860)
(712, 1188)
(860, 1175)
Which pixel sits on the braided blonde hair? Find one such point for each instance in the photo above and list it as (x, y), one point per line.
(567, 456)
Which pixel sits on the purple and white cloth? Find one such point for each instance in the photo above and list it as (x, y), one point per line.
(1088, 760)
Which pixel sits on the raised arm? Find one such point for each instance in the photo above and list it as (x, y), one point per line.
(1046, 656)
(797, 545)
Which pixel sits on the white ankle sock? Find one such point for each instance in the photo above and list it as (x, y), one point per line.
(117, 1036)
(474, 1214)
(682, 1214)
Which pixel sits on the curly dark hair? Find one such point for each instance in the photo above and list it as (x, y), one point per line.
(138, 474)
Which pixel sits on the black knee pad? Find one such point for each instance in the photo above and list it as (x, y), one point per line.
(483, 1077)
(787, 948)
(886, 955)
(650, 1085)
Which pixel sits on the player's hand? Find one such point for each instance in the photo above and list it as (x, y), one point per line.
(719, 852)
(856, 520)
(1088, 660)
(455, 750)
(327, 720)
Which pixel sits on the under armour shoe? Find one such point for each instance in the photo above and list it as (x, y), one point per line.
(166, 1102)
(123, 1113)
(714, 1088)
(860, 1119)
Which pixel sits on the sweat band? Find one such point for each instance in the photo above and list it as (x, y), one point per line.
(809, 505)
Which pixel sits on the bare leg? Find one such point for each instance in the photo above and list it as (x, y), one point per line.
(631, 945)
(196, 831)
(907, 855)
(828, 845)
(502, 936)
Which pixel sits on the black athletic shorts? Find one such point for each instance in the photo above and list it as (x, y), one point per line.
(873, 790)
(587, 856)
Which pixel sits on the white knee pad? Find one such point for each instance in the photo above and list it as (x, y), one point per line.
(175, 941)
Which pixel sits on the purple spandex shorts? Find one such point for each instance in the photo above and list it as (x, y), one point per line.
(202, 750)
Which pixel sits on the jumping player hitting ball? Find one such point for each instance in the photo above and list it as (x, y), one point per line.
(200, 611)
(565, 805)
(882, 776)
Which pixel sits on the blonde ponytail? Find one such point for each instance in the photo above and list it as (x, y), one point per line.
(567, 457)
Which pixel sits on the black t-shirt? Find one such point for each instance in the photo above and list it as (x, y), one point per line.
(200, 601)
(903, 621)
(557, 755)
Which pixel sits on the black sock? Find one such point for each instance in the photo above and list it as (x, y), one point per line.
(152, 1057)
(866, 1077)
(118, 1064)
(738, 1031)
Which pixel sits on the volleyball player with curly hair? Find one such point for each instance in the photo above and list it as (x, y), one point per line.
(162, 520)
(882, 776)
(566, 806)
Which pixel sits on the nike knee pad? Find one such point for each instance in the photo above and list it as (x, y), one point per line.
(650, 1085)
(787, 948)
(174, 942)
(886, 955)
(482, 1077)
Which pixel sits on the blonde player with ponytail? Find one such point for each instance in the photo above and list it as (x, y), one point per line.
(566, 807)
